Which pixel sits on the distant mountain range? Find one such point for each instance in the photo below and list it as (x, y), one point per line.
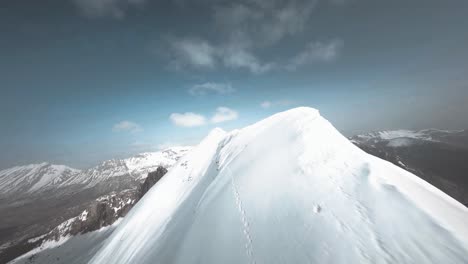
(37, 178)
(46, 202)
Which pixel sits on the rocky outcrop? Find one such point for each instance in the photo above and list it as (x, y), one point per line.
(152, 179)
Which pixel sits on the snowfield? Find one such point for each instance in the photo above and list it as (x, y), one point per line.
(289, 189)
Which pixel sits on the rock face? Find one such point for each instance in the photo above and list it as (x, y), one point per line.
(152, 179)
(437, 156)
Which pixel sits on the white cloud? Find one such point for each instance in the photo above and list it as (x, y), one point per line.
(127, 126)
(316, 52)
(210, 87)
(187, 119)
(268, 104)
(107, 8)
(224, 114)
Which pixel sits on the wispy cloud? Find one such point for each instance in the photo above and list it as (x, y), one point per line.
(262, 22)
(316, 52)
(240, 58)
(201, 54)
(194, 52)
(244, 29)
(224, 114)
(127, 126)
(211, 87)
(107, 8)
(187, 119)
(268, 104)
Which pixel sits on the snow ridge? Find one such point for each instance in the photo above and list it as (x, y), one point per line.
(289, 189)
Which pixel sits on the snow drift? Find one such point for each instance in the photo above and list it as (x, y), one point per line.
(289, 189)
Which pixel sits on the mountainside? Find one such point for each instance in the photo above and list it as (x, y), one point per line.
(106, 192)
(437, 156)
(81, 235)
(289, 189)
(34, 178)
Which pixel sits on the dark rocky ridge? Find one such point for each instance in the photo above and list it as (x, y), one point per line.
(152, 179)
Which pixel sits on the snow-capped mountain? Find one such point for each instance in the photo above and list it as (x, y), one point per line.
(34, 177)
(437, 156)
(137, 167)
(289, 189)
(35, 199)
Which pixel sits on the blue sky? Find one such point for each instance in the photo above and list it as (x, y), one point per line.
(88, 80)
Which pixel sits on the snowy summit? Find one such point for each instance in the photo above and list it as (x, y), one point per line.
(289, 189)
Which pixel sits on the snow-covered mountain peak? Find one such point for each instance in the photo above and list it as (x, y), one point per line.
(215, 132)
(289, 189)
(34, 177)
(304, 114)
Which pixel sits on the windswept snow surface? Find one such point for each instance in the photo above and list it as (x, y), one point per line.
(289, 189)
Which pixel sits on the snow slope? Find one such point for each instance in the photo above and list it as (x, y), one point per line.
(289, 189)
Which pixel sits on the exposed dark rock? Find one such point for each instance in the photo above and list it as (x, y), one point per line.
(152, 179)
